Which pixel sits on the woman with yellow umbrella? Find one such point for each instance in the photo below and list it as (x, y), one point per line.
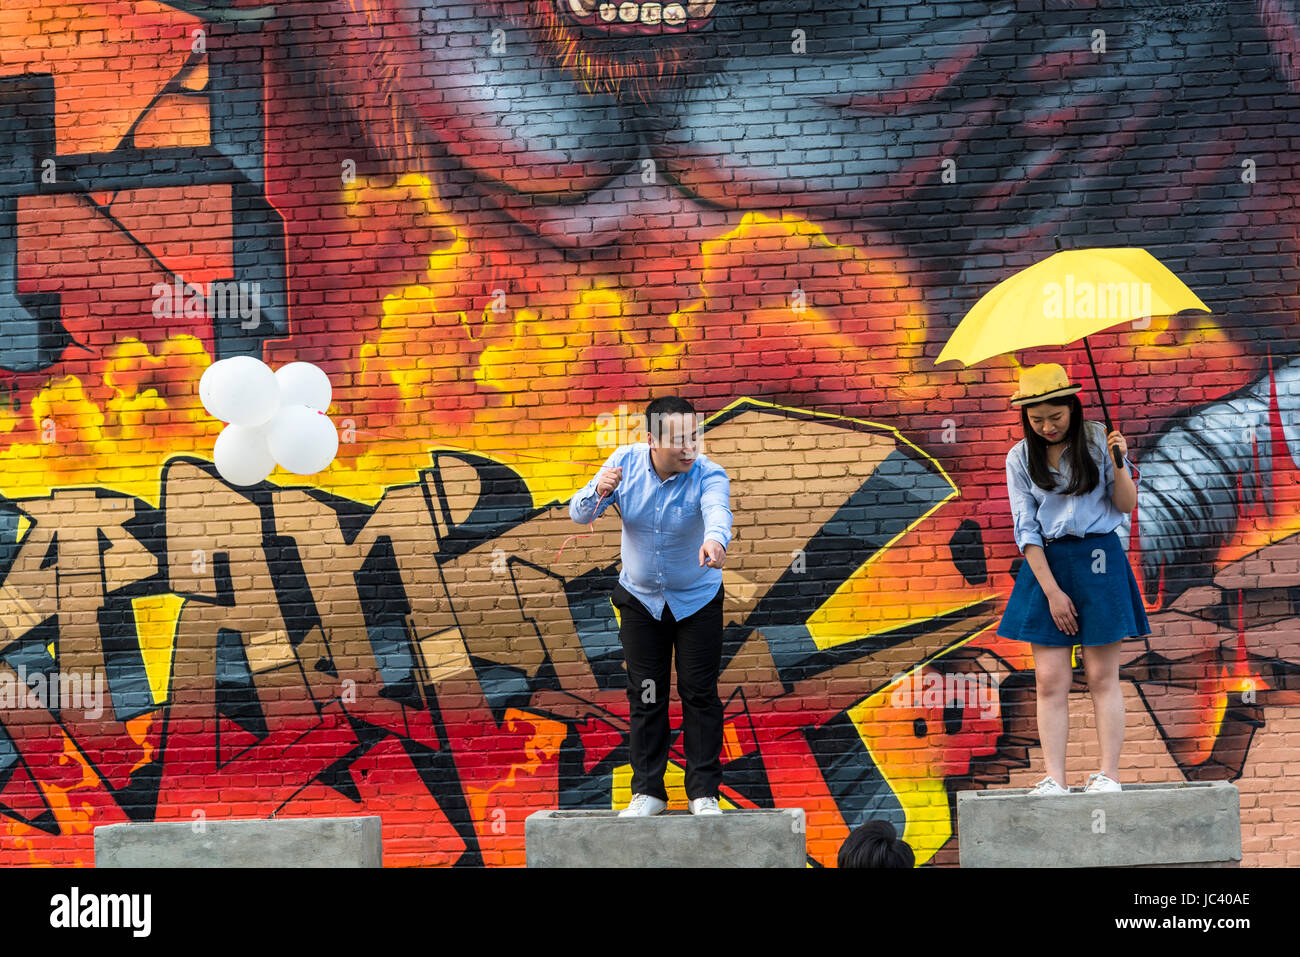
(1069, 484)
(1075, 586)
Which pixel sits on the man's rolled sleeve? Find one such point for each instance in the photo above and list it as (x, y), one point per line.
(1024, 508)
(582, 507)
(715, 498)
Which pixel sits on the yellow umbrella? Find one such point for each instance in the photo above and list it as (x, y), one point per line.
(1065, 298)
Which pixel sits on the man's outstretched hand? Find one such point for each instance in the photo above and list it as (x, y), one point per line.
(712, 554)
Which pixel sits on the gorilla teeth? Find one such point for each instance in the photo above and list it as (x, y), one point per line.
(649, 13)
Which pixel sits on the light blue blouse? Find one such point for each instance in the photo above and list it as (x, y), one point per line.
(1038, 514)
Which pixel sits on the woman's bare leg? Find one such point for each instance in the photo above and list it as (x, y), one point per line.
(1053, 676)
(1101, 664)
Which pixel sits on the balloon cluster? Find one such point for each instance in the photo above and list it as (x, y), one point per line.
(275, 418)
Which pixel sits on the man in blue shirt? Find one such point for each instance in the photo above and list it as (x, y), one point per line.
(674, 505)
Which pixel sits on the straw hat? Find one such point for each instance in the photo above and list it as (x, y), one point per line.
(1047, 380)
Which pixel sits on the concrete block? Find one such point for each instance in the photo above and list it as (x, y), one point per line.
(277, 842)
(746, 838)
(1179, 824)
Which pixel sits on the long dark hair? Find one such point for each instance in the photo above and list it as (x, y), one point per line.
(1084, 474)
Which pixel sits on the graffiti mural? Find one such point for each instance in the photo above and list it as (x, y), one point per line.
(501, 228)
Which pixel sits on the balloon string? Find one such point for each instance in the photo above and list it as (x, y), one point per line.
(542, 458)
(592, 526)
(462, 448)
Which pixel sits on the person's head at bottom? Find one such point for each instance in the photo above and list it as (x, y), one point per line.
(875, 844)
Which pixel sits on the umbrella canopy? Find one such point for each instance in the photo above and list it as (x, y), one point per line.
(1065, 297)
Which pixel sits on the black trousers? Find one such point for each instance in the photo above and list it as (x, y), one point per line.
(648, 645)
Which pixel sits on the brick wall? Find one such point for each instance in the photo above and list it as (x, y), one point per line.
(501, 229)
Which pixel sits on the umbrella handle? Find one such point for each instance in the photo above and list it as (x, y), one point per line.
(1119, 459)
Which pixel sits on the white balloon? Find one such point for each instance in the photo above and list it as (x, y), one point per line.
(242, 456)
(208, 388)
(302, 383)
(303, 441)
(245, 392)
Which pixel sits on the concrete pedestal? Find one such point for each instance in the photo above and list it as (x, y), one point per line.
(279, 842)
(671, 839)
(1180, 824)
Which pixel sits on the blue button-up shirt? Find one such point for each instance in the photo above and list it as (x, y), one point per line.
(665, 522)
(1038, 514)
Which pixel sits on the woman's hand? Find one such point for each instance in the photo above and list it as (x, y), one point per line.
(1063, 612)
(1124, 498)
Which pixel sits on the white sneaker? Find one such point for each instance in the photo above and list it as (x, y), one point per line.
(705, 805)
(1099, 782)
(1047, 786)
(643, 805)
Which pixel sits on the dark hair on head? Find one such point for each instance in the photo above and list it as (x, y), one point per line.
(662, 406)
(875, 844)
(1084, 474)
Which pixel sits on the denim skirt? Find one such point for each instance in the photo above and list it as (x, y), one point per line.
(1095, 573)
